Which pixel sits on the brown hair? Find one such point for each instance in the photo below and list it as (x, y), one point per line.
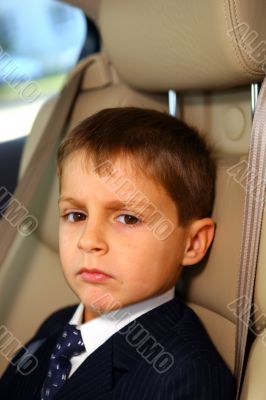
(165, 148)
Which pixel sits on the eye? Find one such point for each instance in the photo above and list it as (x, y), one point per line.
(74, 216)
(129, 219)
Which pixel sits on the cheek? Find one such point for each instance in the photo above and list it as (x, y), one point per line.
(67, 245)
(69, 234)
(154, 261)
(139, 257)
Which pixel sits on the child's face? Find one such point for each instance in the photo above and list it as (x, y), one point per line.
(97, 233)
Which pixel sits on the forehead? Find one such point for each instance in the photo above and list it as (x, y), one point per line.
(120, 178)
(116, 172)
(115, 168)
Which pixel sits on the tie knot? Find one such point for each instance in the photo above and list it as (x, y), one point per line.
(69, 344)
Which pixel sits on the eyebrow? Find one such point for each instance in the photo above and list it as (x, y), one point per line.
(113, 204)
(69, 200)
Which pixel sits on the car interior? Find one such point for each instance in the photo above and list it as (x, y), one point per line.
(199, 61)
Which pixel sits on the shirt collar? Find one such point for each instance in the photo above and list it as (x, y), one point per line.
(97, 331)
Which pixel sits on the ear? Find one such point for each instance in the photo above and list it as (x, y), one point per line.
(199, 237)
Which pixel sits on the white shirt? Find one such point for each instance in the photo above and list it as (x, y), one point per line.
(97, 331)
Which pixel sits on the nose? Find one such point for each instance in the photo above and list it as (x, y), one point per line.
(92, 239)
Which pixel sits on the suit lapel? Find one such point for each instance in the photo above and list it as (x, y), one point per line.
(28, 386)
(93, 379)
(153, 328)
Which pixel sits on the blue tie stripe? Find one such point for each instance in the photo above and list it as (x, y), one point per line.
(69, 344)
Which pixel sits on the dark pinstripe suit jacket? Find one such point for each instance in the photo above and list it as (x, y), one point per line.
(164, 354)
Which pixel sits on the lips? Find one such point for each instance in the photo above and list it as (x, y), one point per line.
(93, 275)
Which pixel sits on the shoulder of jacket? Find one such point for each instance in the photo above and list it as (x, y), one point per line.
(54, 322)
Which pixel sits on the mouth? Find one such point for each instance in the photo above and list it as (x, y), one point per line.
(93, 275)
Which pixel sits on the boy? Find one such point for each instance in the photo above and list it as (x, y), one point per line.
(136, 197)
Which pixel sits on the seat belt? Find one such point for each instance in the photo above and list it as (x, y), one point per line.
(252, 223)
(53, 132)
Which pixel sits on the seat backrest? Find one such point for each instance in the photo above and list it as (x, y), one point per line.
(200, 51)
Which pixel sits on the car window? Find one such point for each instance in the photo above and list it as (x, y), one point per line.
(40, 40)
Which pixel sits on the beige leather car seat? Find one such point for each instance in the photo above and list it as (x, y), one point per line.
(199, 50)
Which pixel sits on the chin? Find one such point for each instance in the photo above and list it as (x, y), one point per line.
(99, 299)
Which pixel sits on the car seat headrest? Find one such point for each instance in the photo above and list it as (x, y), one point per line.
(157, 45)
